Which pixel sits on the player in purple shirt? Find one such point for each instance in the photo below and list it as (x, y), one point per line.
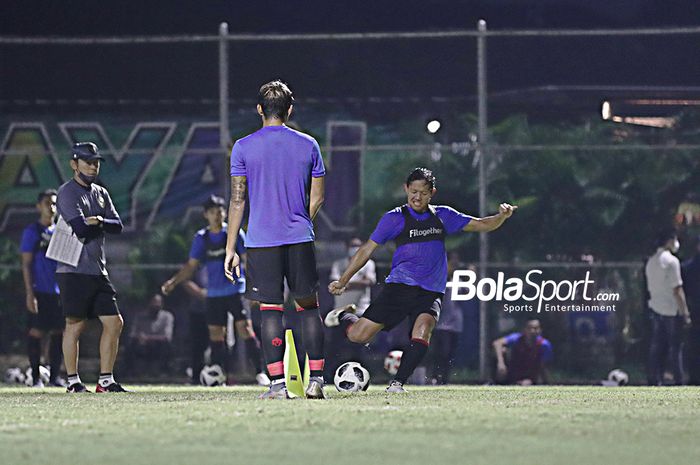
(43, 303)
(282, 171)
(528, 355)
(418, 275)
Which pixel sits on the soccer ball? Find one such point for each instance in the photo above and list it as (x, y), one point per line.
(393, 361)
(14, 376)
(212, 375)
(351, 377)
(618, 376)
(44, 374)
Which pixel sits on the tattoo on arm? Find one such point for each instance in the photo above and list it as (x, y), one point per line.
(238, 189)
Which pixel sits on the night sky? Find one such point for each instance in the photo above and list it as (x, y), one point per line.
(348, 69)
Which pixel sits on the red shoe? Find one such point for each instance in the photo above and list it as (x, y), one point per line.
(114, 387)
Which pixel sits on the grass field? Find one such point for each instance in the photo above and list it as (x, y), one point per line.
(452, 425)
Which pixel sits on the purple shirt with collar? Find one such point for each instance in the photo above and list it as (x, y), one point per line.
(278, 163)
(422, 264)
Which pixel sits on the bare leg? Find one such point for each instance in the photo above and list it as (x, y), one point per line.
(71, 336)
(109, 341)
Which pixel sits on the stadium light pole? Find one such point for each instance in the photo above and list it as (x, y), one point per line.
(481, 152)
(224, 135)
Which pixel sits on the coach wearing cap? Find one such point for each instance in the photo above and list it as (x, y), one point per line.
(86, 291)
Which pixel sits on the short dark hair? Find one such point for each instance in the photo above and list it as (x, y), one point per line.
(46, 193)
(214, 201)
(665, 235)
(421, 174)
(275, 98)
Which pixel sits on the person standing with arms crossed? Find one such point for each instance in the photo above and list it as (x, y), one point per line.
(86, 291)
(282, 172)
(43, 304)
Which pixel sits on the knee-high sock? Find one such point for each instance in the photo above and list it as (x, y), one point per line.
(34, 353)
(312, 330)
(219, 354)
(56, 354)
(273, 340)
(411, 358)
(252, 349)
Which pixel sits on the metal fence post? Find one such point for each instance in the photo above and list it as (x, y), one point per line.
(482, 151)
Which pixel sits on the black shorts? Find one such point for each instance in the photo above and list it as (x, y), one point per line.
(398, 301)
(50, 316)
(218, 309)
(86, 295)
(267, 267)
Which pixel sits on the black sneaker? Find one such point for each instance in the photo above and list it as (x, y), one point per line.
(77, 387)
(114, 387)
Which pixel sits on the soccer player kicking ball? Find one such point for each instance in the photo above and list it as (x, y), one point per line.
(418, 276)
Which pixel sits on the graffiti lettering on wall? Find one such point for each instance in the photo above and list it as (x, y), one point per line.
(151, 176)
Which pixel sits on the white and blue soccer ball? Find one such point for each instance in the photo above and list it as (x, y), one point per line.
(212, 375)
(351, 377)
(392, 361)
(618, 377)
(14, 376)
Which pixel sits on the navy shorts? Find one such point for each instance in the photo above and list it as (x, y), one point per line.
(398, 301)
(50, 316)
(86, 296)
(267, 268)
(218, 309)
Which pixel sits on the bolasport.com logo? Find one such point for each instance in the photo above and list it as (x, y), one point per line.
(538, 294)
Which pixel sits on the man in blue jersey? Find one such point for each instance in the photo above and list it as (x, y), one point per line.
(86, 291)
(528, 356)
(282, 172)
(43, 303)
(223, 297)
(418, 275)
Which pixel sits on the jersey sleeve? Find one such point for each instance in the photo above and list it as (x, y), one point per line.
(29, 239)
(453, 220)
(198, 249)
(512, 338)
(237, 160)
(388, 228)
(67, 206)
(673, 274)
(547, 353)
(318, 169)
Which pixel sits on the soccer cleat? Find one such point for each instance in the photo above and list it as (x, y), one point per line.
(333, 317)
(262, 379)
(77, 387)
(114, 387)
(38, 384)
(276, 391)
(395, 387)
(315, 389)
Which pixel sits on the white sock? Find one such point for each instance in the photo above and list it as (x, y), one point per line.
(106, 380)
(74, 379)
(278, 381)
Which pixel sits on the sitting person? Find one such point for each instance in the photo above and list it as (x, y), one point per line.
(151, 336)
(527, 355)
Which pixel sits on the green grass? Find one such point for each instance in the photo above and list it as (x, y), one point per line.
(452, 425)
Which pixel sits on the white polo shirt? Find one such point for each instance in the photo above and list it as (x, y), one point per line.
(663, 272)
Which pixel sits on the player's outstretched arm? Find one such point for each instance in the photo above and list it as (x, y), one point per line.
(236, 207)
(356, 263)
(490, 223)
(183, 274)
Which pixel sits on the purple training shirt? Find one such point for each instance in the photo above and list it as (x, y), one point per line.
(278, 163)
(421, 264)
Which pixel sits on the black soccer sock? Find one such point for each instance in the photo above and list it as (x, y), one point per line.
(252, 349)
(312, 333)
(273, 339)
(218, 354)
(34, 353)
(56, 355)
(411, 358)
